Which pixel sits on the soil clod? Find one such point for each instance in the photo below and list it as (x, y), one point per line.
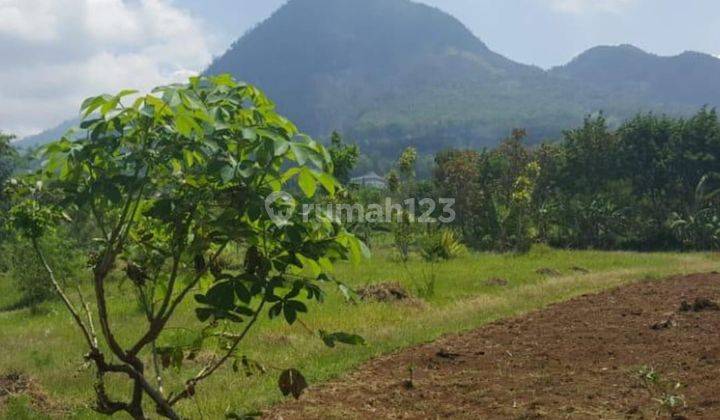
(13, 383)
(668, 322)
(383, 292)
(445, 354)
(700, 304)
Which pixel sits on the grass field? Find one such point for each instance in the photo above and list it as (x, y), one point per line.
(44, 344)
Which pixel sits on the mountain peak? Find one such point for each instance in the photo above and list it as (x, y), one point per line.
(326, 61)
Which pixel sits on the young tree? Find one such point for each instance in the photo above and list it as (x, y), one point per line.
(344, 157)
(7, 158)
(457, 175)
(403, 185)
(172, 180)
(7, 166)
(406, 163)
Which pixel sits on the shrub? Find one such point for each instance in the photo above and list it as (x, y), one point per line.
(441, 245)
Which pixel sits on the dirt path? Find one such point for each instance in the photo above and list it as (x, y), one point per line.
(578, 359)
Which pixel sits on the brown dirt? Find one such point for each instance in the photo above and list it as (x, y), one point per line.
(383, 292)
(578, 359)
(13, 384)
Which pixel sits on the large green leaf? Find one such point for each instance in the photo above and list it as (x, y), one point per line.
(307, 182)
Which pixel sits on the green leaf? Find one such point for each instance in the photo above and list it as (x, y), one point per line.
(346, 291)
(126, 92)
(189, 157)
(291, 308)
(327, 181)
(91, 104)
(310, 267)
(307, 182)
(242, 292)
(202, 313)
(287, 175)
(185, 125)
(300, 153)
(220, 296)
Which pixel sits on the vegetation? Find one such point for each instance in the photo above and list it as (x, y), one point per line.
(664, 391)
(142, 273)
(170, 183)
(343, 156)
(7, 167)
(158, 211)
(46, 347)
(650, 184)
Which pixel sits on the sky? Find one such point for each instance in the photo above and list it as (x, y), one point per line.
(57, 52)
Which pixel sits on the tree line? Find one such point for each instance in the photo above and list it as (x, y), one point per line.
(650, 184)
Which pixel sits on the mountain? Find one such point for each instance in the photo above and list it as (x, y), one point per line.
(689, 79)
(391, 73)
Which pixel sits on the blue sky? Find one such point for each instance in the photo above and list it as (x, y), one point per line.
(57, 52)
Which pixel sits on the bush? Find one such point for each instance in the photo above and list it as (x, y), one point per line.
(699, 231)
(441, 245)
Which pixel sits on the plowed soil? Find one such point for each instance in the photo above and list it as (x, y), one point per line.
(578, 359)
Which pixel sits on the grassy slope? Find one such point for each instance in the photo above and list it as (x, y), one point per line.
(46, 347)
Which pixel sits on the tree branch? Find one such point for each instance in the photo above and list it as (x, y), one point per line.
(63, 296)
(191, 383)
(161, 320)
(88, 313)
(114, 246)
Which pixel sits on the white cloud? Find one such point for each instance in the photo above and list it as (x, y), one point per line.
(586, 6)
(56, 53)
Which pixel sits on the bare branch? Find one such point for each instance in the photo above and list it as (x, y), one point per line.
(88, 313)
(63, 296)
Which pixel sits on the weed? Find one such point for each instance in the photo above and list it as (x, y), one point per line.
(664, 391)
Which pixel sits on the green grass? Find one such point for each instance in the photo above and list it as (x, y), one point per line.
(45, 345)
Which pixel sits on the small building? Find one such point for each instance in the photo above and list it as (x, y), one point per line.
(371, 180)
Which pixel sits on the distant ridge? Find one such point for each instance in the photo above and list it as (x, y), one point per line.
(690, 78)
(46, 136)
